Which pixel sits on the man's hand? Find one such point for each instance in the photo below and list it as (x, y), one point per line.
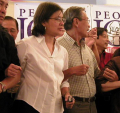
(110, 75)
(93, 33)
(69, 105)
(81, 70)
(13, 70)
(91, 38)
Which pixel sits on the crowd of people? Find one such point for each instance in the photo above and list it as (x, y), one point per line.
(69, 74)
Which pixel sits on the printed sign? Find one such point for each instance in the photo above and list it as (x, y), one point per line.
(24, 14)
(99, 15)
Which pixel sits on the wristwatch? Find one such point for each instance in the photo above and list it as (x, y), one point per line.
(3, 87)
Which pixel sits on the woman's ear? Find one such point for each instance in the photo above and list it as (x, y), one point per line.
(43, 23)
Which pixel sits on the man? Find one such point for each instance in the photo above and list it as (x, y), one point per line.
(82, 63)
(111, 103)
(103, 100)
(102, 44)
(8, 62)
(11, 25)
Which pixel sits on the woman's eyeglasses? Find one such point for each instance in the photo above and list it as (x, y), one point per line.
(59, 19)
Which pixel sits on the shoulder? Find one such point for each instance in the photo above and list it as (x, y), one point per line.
(63, 49)
(61, 40)
(116, 59)
(6, 40)
(26, 40)
(89, 49)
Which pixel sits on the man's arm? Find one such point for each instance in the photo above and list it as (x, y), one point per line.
(108, 86)
(11, 81)
(77, 70)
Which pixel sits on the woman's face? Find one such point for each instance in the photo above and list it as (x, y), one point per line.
(55, 25)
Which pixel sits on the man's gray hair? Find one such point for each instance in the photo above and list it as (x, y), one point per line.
(70, 14)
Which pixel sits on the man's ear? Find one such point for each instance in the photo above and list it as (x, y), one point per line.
(75, 22)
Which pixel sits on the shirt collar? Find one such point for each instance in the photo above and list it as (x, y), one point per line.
(71, 41)
(40, 38)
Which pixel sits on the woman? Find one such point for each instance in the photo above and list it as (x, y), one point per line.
(42, 61)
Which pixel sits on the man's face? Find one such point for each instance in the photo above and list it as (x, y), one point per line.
(11, 27)
(102, 41)
(83, 25)
(3, 8)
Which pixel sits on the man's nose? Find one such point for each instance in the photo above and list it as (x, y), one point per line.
(88, 25)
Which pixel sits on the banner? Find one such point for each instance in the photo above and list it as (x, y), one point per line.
(109, 18)
(24, 13)
(99, 15)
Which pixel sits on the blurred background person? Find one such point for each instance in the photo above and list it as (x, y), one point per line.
(11, 25)
(98, 45)
(112, 68)
(102, 44)
(10, 71)
(90, 41)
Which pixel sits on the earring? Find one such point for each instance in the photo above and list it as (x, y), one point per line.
(45, 27)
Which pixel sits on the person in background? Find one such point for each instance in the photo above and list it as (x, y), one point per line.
(43, 61)
(10, 71)
(90, 41)
(11, 25)
(102, 43)
(113, 87)
(98, 45)
(83, 67)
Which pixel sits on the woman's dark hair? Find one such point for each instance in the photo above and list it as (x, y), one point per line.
(42, 14)
(100, 31)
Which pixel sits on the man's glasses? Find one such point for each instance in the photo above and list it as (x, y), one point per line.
(83, 19)
(59, 19)
(87, 20)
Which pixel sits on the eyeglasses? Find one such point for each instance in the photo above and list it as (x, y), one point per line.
(59, 19)
(87, 20)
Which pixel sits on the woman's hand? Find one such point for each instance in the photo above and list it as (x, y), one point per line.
(69, 101)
